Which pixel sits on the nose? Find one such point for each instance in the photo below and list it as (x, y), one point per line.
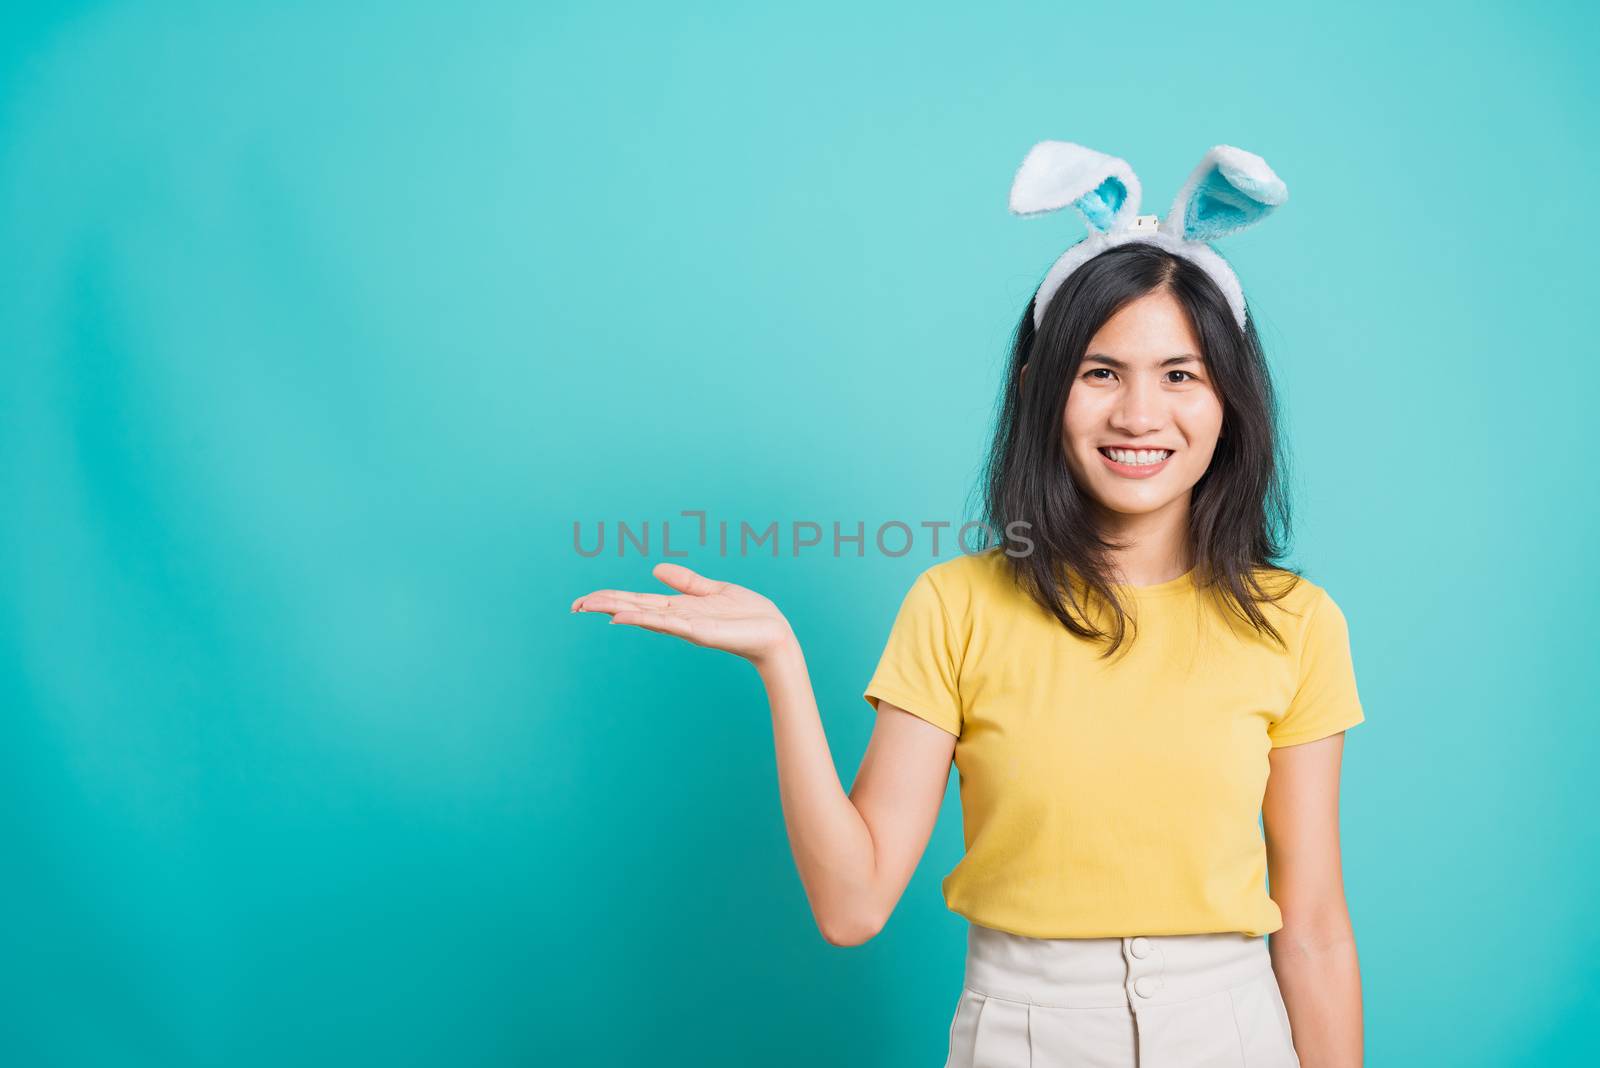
(1140, 408)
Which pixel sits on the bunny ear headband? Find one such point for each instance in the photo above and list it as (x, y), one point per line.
(1230, 190)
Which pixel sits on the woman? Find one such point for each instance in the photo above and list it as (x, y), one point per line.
(1125, 686)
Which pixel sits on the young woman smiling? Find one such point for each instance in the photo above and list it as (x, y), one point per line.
(1123, 700)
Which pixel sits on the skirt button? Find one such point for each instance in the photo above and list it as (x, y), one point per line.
(1140, 947)
(1145, 986)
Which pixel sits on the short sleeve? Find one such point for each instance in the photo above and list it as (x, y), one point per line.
(918, 668)
(1326, 701)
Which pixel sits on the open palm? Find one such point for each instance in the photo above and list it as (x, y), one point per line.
(717, 615)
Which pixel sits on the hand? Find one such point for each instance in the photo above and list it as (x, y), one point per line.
(716, 615)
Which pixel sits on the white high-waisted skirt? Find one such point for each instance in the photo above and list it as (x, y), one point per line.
(1156, 1001)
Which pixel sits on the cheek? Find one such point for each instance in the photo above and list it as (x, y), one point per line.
(1079, 416)
(1201, 420)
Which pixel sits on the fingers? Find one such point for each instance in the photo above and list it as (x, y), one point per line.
(660, 622)
(616, 600)
(681, 578)
(675, 575)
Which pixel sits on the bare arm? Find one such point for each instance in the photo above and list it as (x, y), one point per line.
(855, 852)
(1314, 953)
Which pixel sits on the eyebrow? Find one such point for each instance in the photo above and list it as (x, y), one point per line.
(1121, 366)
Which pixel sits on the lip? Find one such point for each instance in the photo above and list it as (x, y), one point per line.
(1134, 470)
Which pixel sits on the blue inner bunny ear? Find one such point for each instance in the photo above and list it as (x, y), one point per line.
(1219, 207)
(1101, 206)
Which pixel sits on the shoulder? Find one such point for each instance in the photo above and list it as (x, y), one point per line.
(1299, 602)
(1288, 589)
(967, 577)
(964, 586)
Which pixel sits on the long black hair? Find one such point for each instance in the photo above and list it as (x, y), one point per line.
(1239, 515)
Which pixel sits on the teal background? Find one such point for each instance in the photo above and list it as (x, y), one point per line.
(323, 323)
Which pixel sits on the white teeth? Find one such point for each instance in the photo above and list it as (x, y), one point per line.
(1137, 457)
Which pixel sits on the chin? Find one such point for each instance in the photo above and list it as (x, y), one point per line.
(1142, 506)
(1133, 498)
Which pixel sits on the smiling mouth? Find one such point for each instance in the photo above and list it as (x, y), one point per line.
(1136, 457)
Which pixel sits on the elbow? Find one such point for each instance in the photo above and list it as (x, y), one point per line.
(1316, 931)
(850, 931)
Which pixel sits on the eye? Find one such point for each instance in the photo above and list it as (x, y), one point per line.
(1195, 377)
(1097, 370)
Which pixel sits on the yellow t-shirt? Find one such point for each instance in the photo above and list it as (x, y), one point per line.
(1107, 798)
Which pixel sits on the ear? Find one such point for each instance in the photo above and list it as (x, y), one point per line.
(1230, 190)
(1103, 189)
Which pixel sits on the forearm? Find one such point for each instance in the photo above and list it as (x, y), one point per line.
(1320, 977)
(831, 843)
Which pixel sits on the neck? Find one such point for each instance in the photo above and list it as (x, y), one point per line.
(1155, 546)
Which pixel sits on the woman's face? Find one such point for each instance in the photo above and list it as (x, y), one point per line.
(1143, 387)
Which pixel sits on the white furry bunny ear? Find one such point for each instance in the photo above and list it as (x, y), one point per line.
(1230, 190)
(1103, 188)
